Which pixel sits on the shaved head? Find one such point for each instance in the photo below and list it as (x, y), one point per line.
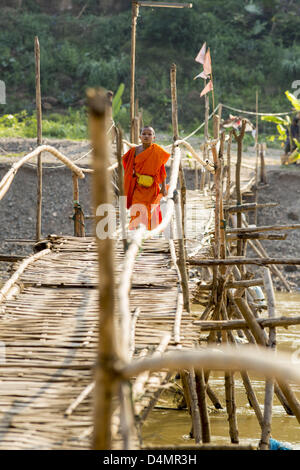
(148, 127)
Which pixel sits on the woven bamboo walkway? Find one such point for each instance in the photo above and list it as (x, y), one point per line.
(50, 335)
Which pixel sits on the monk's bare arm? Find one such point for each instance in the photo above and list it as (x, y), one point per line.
(164, 188)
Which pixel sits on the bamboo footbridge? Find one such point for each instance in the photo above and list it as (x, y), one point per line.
(94, 329)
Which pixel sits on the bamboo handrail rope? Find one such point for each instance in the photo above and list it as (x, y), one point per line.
(124, 289)
(9, 284)
(250, 357)
(8, 177)
(140, 382)
(85, 170)
(254, 113)
(206, 164)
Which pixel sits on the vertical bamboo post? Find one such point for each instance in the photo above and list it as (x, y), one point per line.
(263, 178)
(194, 407)
(257, 156)
(135, 14)
(39, 137)
(107, 350)
(196, 175)
(269, 387)
(206, 131)
(239, 139)
(122, 205)
(201, 394)
(182, 255)
(75, 203)
(228, 166)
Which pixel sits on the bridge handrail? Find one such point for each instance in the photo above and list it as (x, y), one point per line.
(9, 176)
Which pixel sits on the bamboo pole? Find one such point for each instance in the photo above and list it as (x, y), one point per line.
(250, 207)
(121, 186)
(196, 175)
(256, 236)
(228, 167)
(261, 338)
(257, 155)
(269, 387)
(201, 395)
(239, 139)
(39, 138)
(234, 284)
(205, 163)
(194, 407)
(78, 214)
(207, 325)
(262, 252)
(135, 14)
(181, 241)
(264, 228)
(206, 131)
(241, 261)
(107, 347)
(253, 358)
(263, 177)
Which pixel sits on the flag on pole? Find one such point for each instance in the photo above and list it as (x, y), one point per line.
(201, 54)
(202, 75)
(209, 87)
(207, 63)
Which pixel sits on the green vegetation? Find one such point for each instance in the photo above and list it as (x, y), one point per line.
(254, 46)
(72, 125)
(283, 126)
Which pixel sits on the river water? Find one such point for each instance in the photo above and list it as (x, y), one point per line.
(171, 427)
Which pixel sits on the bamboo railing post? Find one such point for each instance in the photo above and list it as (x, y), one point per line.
(228, 168)
(194, 407)
(122, 206)
(269, 387)
(196, 175)
(263, 178)
(39, 138)
(229, 390)
(135, 14)
(239, 139)
(181, 241)
(256, 160)
(75, 203)
(282, 390)
(106, 383)
(206, 132)
(201, 394)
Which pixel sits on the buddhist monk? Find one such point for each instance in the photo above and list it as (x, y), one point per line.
(144, 167)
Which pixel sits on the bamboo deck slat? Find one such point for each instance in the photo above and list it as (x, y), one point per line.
(50, 331)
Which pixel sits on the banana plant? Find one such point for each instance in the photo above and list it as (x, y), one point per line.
(283, 127)
(117, 101)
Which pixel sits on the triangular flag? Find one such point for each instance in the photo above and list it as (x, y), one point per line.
(208, 88)
(201, 54)
(207, 63)
(202, 75)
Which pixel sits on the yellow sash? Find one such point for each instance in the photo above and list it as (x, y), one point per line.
(145, 180)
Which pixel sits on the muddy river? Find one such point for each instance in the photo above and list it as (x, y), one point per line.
(165, 427)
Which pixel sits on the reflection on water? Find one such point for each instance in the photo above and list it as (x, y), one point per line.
(165, 427)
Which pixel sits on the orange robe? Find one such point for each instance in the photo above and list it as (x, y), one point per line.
(149, 162)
